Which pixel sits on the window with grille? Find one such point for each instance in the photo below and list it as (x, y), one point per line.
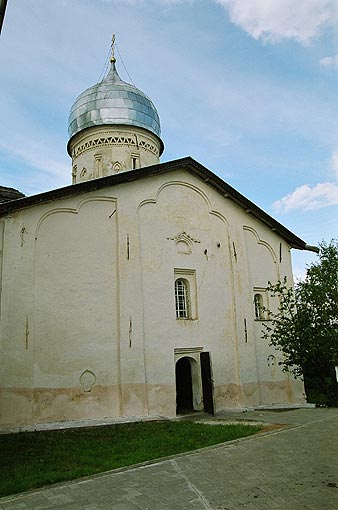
(182, 299)
(258, 301)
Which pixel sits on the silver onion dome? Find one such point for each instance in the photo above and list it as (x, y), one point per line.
(113, 101)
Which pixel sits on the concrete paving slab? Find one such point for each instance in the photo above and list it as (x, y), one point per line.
(293, 468)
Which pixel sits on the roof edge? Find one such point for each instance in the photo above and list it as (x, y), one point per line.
(187, 163)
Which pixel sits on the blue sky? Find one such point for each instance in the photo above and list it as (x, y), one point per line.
(246, 87)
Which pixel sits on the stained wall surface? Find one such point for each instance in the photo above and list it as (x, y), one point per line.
(88, 319)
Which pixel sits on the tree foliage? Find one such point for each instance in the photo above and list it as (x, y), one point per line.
(305, 327)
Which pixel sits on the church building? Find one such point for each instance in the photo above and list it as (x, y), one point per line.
(139, 290)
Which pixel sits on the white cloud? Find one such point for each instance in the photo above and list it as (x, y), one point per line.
(329, 61)
(43, 167)
(31, 154)
(275, 20)
(308, 198)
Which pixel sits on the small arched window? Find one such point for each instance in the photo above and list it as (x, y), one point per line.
(135, 161)
(74, 172)
(182, 299)
(258, 301)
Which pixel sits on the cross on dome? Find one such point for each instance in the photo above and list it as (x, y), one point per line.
(112, 58)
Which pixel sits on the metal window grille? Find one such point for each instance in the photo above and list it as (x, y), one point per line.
(182, 299)
(258, 300)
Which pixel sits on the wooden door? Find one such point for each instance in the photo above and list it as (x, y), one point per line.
(207, 383)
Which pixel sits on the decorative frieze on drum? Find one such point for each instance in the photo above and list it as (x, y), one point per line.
(130, 141)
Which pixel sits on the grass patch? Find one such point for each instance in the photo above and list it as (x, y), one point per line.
(33, 459)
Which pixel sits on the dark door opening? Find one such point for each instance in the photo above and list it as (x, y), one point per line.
(184, 401)
(207, 383)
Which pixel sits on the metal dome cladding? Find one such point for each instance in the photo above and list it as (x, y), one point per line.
(113, 101)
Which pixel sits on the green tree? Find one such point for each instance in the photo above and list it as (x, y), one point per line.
(305, 327)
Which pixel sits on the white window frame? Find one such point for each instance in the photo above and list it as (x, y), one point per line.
(186, 304)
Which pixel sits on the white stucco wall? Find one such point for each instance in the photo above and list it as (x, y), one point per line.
(88, 324)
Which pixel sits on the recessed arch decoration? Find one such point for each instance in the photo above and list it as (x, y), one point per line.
(262, 242)
(117, 167)
(200, 192)
(187, 211)
(183, 246)
(74, 251)
(71, 210)
(184, 242)
(176, 183)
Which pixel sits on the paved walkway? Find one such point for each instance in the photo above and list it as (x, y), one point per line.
(294, 468)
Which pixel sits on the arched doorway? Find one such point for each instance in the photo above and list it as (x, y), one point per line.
(184, 395)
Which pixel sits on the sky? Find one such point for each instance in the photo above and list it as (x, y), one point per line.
(249, 88)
